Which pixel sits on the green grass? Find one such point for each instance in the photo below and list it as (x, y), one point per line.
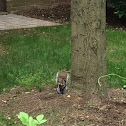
(116, 56)
(7, 121)
(33, 56)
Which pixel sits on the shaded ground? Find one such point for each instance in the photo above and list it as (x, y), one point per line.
(66, 110)
(61, 14)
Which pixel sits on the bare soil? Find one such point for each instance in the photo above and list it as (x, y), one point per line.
(60, 13)
(67, 109)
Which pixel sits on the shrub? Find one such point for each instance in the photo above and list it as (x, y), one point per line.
(119, 6)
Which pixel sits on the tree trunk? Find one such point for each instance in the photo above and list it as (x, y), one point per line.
(88, 59)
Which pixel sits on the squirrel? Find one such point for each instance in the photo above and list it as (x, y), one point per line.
(61, 81)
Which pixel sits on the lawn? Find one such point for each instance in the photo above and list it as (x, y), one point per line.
(116, 56)
(32, 57)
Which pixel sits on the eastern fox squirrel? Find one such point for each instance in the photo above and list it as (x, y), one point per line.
(61, 81)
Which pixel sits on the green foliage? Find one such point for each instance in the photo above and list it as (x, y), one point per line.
(123, 78)
(120, 7)
(29, 121)
(89, 105)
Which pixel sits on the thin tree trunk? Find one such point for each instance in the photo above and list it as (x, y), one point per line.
(88, 59)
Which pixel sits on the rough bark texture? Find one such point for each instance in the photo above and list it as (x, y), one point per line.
(88, 60)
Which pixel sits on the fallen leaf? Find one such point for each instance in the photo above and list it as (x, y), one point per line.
(27, 92)
(68, 96)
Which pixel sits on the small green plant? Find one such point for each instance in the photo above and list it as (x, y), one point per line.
(29, 121)
(124, 79)
(89, 105)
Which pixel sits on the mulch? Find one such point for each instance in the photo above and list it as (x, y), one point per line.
(68, 109)
(61, 14)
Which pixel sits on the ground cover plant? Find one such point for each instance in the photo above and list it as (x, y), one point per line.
(32, 57)
(29, 121)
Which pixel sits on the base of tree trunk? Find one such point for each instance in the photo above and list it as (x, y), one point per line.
(94, 98)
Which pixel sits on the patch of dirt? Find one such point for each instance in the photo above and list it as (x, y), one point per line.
(67, 109)
(61, 13)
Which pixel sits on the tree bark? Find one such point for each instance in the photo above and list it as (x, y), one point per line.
(88, 43)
